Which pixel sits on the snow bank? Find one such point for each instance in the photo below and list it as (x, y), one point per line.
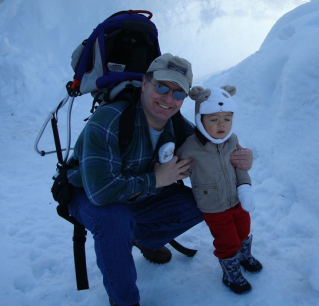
(38, 37)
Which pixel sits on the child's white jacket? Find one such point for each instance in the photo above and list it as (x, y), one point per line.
(214, 179)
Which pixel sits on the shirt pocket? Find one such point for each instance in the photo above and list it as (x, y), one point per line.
(206, 196)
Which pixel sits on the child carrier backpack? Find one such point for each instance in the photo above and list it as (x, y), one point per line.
(110, 65)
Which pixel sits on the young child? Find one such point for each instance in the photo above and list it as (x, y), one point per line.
(223, 192)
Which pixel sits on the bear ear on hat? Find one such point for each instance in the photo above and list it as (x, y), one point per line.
(194, 92)
(199, 94)
(230, 89)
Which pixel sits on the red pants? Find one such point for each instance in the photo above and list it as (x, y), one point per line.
(229, 228)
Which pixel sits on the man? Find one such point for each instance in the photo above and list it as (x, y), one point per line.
(126, 198)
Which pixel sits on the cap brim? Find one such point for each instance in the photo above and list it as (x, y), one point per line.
(172, 76)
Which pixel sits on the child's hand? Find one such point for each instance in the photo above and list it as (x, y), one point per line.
(246, 197)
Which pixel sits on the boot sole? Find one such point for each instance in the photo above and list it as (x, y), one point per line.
(160, 262)
(238, 289)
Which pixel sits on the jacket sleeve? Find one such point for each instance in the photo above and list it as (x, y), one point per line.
(182, 153)
(242, 177)
(101, 165)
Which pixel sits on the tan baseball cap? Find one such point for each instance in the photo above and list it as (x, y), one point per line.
(172, 69)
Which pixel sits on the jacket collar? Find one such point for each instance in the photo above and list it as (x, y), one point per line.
(201, 137)
(203, 140)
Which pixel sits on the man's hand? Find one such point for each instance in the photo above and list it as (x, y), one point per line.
(242, 158)
(168, 173)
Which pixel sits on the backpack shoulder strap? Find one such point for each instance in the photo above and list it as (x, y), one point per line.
(128, 116)
(126, 126)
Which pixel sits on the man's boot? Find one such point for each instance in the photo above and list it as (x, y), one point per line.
(232, 276)
(112, 304)
(249, 262)
(160, 256)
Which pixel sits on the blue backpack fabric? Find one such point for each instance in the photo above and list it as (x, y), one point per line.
(121, 48)
(112, 61)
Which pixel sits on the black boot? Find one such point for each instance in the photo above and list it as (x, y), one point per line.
(112, 304)
(232, 276)
(160, 256)
(249, 262)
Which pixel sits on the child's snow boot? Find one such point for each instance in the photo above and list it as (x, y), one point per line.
(232, 276)
(249, 262)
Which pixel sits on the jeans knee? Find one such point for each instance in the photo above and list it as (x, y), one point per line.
(115, 218)
(112, 218)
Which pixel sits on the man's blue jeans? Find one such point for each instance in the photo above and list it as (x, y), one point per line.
(152, 222)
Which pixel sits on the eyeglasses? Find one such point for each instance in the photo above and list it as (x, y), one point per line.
(162, 89)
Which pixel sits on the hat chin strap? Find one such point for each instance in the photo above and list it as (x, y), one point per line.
(201, 128)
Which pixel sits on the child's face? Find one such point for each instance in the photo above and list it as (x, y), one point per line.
(218, 125)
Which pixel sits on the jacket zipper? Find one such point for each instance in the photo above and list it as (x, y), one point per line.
(222, 164)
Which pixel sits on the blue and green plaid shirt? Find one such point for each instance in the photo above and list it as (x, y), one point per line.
(107, 175)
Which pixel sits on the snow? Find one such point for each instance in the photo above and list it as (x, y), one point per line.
(275, 67)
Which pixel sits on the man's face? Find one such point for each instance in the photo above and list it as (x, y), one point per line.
(218, 125)
(158, 108)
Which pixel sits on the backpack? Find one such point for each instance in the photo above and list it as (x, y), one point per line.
(110, 65)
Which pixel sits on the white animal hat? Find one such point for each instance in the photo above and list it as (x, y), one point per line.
(210, 101)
